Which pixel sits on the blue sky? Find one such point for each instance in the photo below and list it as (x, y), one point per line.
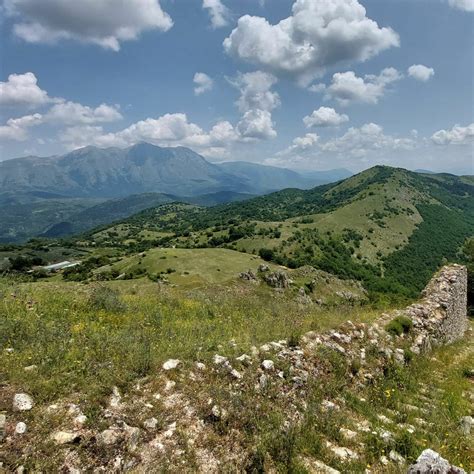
(306, 84)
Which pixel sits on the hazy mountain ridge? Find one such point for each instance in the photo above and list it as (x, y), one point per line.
(50, 196)
(143, 168)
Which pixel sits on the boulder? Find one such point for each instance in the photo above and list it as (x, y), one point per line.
(22, 402)
(20, 428)
(278, 279)
(171, 364)
(430, 462)
(466, 424)
(65, 437)
(268, 365)
(109, 437)
(248, 276)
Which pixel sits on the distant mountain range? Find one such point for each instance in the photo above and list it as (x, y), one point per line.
(59, 195)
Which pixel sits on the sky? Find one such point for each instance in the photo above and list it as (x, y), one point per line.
(302, 84)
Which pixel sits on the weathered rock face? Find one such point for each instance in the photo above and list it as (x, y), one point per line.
(430, 462)
(278, 280)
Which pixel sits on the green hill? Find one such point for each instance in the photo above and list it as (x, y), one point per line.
(384, 222)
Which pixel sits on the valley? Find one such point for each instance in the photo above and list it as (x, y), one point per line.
(264, 334)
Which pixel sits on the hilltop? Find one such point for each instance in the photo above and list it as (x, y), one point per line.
(384, 222)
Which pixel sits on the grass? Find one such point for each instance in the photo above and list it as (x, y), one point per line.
(88, 338)
(191, 266)
(85, 339)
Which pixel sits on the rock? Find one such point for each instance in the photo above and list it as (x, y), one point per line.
(236, 374)
(171, 364)
(20, 428)
(200, 366)
(327, 405)
(65, 437)
(132, 434)
(268, 364)
(244, 359)
(3, 422)
(219, 360)
(278, 280)
(313, 466)
(108, 437)
(30, 368)
(430, 462)
(348, 434)
(466, 424)
(115, 398)
(396, 457)
(345, 454)
(248, 276)
(22, 402)
(80, 420)
(150, 424)
(386, 436)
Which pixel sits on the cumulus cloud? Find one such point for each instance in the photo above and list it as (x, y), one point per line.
(203, 83)
(317, 35)
(256, 103)
(106, 23)
(23, 90)
(458, 135)
(466, 5)
(325, 117)
(358, 142)
(255, 91)
(347, 88)
(16, 129)
(257, 124)
(300, 145)
(167, 130)
(420, 72)
(68, 113)
(218, 12)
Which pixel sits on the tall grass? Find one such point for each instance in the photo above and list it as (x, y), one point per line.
(88, 338)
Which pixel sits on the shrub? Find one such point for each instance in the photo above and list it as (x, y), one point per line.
(266, 254)
(399, 325)
(106, 298)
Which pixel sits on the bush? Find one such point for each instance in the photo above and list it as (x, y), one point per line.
(105, 298)
(400, 325)
(266, 254)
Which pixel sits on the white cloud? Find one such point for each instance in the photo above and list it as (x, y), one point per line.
(218, 12)
(325, 117)
(16, 129)
(167, 130)
(347, 88)
(458, 135)
(300, 145)
(68, 113)
(420, 72)
(318, 34)
(359, 142)
(203, 83)
(23, 90)
(256, 103)
(103, 22)
(466, 5)
(255, 91)
(366, 144)
(256, 124)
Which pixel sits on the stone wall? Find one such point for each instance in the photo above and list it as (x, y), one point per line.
(441, 315)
